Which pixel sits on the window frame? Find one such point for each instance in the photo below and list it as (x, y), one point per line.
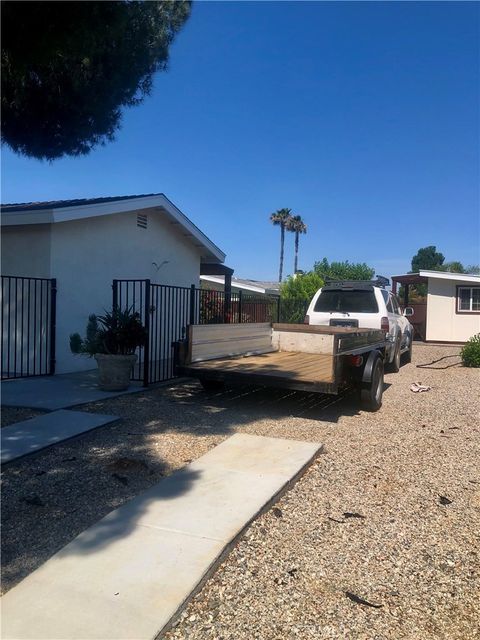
(470, 311)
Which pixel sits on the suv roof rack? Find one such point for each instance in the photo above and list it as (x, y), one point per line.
(380, 281)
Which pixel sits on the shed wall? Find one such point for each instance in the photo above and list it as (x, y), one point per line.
(443, 323)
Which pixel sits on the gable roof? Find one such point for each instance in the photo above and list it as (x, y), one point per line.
(55, 211)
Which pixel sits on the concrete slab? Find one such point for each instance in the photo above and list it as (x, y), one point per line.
(129, 575)
(58, 392)
(29, 436)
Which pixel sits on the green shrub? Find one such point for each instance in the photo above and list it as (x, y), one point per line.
(470, 353)
(116, 332)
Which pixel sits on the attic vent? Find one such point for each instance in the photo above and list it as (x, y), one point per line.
(142, 221)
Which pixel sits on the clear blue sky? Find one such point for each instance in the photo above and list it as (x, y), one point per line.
(361, 117)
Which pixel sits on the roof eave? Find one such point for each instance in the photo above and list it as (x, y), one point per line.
(80, 212)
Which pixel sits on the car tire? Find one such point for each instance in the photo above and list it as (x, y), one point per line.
(407, 356)
(394, 366)
(372, 393)
(212, 385)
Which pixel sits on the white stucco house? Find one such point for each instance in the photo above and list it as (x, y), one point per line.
(451, 312)
(85, 244)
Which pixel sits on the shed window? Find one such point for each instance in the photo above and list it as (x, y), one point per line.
(468, 299)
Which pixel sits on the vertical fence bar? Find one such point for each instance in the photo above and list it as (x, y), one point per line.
(53, 324)
(192, 304)
(146, 351)
(240, 305)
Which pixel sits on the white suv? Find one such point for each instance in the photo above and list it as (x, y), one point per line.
(365, 304)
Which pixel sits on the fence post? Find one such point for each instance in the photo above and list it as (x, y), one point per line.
(53, 323)
(192, 304)
(146, 349)
(240, 299)
(115, 295)
(278, 309)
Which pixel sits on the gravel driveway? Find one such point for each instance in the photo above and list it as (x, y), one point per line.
(379, 539)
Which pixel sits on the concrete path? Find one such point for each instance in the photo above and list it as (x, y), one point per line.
(128, 575)
(58, 392)
(26, 437)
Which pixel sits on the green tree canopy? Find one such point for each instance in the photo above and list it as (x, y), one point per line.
(427, 258)
(453, 267)
(343, 270)
(301, 287)
(68, 68)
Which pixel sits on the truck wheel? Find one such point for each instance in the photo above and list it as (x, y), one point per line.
(407, 356)
(371, 395)
(212, 385)
(394, 366)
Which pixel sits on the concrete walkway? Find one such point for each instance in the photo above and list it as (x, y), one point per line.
(29, 436)
(128, 575)
(58, 392)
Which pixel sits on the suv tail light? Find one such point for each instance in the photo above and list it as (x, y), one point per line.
(384, 325)
(306, 320)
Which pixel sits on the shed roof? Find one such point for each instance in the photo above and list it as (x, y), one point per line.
(424, 275)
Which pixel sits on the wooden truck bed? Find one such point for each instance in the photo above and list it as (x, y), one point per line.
(304, 367)
(298, 357)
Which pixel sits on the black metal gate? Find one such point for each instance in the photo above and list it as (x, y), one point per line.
(166, 311)
(28, 326)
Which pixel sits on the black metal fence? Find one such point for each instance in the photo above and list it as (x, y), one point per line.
(28, 326)
(167, 310)
(217, 307)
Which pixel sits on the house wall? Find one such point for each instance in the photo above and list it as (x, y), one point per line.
(26, 251)
(86, 255)
(443, 323)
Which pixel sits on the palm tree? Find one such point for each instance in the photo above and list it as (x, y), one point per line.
(281, 218)
(297, 226)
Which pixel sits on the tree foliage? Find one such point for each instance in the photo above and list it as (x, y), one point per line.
(343, 270)
(68, 68)
(297, 226)
(301, 287)
(281, 218)
(427, 258)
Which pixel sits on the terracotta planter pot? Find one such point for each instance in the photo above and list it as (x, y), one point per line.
(114, 371)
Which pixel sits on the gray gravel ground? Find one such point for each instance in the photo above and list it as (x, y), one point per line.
(11, 415)
(295, 572)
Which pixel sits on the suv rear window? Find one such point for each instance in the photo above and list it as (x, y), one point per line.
(347, 301)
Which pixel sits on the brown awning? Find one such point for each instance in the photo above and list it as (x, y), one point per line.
(410, 278)
(215, 269)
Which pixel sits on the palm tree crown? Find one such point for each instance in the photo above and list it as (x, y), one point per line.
(281, 217)
(297, 226)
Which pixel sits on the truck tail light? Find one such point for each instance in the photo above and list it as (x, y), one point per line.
(306, 320)
(384, 325)
(356, 361)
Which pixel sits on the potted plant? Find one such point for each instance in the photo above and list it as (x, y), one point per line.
(112, 340)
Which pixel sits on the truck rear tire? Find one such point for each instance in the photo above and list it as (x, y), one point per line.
(371, 394)
(407, 356)
(212, 385)
(394, 365)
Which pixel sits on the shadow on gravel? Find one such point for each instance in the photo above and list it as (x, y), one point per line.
(48, 498)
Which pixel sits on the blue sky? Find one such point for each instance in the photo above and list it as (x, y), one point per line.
(361, 117)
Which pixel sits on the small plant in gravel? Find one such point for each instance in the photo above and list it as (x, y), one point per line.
(470, 353)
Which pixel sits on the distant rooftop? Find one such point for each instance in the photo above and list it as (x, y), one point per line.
(60, 204)
(257, 286)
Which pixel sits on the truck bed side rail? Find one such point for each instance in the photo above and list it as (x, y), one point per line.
(208, 342)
